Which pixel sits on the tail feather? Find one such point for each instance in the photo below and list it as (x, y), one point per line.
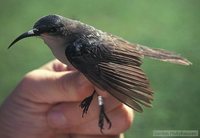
(163, 55)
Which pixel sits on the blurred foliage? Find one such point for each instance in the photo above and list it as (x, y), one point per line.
(169, 24)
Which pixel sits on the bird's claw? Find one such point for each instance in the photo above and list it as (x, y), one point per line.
(102, 117)
(85, 104)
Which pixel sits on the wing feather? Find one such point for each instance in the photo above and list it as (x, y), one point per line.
(131, 88)
(113, 65)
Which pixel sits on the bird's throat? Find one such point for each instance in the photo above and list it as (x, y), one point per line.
(57, 46)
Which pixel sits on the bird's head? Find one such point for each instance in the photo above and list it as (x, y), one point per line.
(51, 25)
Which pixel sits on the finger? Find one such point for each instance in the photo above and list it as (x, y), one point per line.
(53, 87)
(57, 66)
(97, 136)
(54, 65)
(67, 82)
(90, 136)
(121, 118)
(67, 117)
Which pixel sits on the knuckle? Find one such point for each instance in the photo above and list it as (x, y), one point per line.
(26, 87)
(127, 118)
(28, 79)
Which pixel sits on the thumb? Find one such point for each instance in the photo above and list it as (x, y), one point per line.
(45, 86)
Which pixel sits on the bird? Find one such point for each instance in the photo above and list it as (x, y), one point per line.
(109, 62)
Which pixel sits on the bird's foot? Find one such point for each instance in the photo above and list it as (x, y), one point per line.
(85, 104)
(102, 115)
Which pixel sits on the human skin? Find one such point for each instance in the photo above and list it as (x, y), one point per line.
(45, 104)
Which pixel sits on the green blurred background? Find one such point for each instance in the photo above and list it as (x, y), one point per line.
(169, 24)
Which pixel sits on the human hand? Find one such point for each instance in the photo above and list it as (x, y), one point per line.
(45, 104)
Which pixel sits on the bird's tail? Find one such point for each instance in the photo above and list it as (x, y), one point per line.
(163, 55)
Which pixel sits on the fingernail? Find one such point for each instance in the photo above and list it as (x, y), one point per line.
(57, 120)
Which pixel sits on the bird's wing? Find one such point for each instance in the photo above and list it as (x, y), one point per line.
(112, 65)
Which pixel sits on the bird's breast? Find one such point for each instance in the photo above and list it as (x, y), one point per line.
(57, 46)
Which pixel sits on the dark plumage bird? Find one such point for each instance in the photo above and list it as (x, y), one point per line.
(109, 62)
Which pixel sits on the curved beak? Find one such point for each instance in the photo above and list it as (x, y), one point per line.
(33, 32)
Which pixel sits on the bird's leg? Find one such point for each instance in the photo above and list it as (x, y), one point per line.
(102, 115)
(85, 104)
